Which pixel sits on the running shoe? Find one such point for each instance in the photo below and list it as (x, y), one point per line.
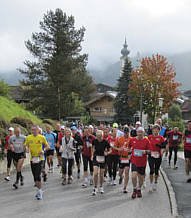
(139, 194)
(91, 182)
(109, 181)
(134, 193)
(94, 192)
(69, 181)
(125, 191)
(114, 183)
(84, 185)
(154, 186)
(144, 184)
(38, 196)
(15, 185)
(64, 181)
(120, 180)
(175, 167)
(188, 180)
(101, 190)
(151, 188)
(7, 178)
(49, 170)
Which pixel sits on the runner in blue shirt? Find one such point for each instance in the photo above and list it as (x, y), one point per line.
(50, 137)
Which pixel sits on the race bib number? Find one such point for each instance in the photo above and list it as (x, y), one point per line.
(175, 137)
(138, 153)
(36, 159)
(155, 154)
(112, 144)
(87, 144)
(124, 160)
(61, 149)
(188, 140)
(100, 159)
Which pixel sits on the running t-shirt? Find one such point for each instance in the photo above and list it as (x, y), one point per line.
(162, 132)
(35, 145)
(154, 140)
(111, 141)
(138, 146)
(86, 151)
(7, 142)
(100, 147)
(77, 141)
(123, 142)
(50, 138)
(187, 140)
(17, 142)
(174, 138)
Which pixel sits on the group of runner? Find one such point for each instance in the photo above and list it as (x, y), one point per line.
(104, 151)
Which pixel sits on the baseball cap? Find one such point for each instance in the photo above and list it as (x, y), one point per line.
(11, 129)
(62, 127)
(138, 123)
(73, 128)
(115, 125)
(90, 126)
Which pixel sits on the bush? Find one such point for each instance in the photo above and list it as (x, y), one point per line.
(50, 122)
(4, 124)
(177, 123)
(24, 122)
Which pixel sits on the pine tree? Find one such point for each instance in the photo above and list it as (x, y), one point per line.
(58, 68)
(124, 112)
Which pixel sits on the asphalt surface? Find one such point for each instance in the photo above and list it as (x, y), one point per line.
(72, 201)
(181, 188)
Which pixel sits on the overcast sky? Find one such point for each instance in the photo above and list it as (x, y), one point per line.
(149, 25)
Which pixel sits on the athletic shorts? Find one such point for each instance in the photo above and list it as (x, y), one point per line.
(95, 163)
(187, 154)
(36, 171)
(59, 154)
(18, 156)
(139, 170)
(123, 165)
(50, 152)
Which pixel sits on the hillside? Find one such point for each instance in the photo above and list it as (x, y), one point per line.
(9, 109)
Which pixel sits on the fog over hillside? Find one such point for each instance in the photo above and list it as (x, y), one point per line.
(110, 72)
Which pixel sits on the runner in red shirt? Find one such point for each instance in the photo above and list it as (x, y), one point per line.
(155, 158)
(174, 139)
(187, 149)
(86, 156)
(140, 147)
(113, 158)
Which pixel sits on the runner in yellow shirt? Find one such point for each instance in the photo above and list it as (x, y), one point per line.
(34, 144)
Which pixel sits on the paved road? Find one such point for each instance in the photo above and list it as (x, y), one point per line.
(72, 201)
(181, 188)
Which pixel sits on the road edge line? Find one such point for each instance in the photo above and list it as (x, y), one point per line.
(171, 194)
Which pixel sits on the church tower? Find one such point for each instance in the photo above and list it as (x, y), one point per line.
(125, 52)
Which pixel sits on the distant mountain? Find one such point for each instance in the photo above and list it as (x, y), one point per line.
(110, 73)
(12, 78)
(181, 62)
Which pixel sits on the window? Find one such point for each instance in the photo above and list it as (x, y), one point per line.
(97, 109)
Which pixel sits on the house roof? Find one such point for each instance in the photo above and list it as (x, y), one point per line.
(17, 93)
(99, 96)
(186, 106)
